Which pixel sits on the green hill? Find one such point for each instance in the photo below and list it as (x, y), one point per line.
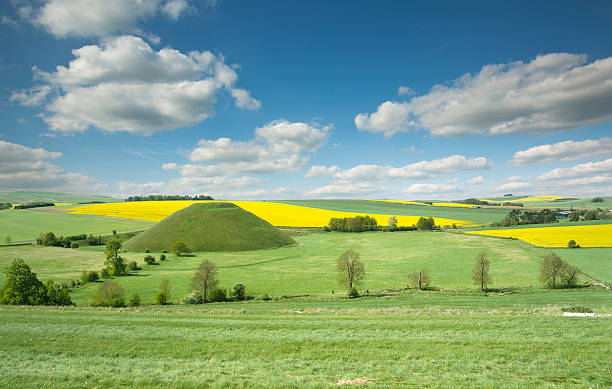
(211, 227)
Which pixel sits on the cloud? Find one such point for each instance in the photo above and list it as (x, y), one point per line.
(582, 170)
(25, 168)
(431, 189)
(418, 170)
(94, 18)
(553, 92)
(124, 85)
(8, 22)
(31, 97)
(322, 171)
(476, 180)
(563, 151)
(343, 189)
(405, 90)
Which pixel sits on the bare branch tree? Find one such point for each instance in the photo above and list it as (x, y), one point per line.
(350, 269)
(420, 279)
(205, 278)
(480, 273)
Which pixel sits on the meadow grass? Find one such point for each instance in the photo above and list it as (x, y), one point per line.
(425, 340)
(309, 267)
(595, 261)
(27, 224)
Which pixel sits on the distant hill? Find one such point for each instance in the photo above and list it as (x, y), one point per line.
(28, 196)
(211, 227)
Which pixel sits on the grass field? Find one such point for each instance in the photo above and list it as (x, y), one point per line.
(594, 261)
(549, 203)
(416, 340)
(26, 196)
(308, 268)
(27, 224)
(596, 235)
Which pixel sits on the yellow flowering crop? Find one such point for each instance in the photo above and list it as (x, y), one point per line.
(275, 213)
(598, 235)
(536, 198)
(434, 204)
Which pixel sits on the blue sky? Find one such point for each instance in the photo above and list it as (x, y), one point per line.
(272, 100)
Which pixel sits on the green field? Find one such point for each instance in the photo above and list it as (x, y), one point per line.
(26, 196)
(27, 224)
(595, 261)
(421, 340)
(477, 215)
(308, 268)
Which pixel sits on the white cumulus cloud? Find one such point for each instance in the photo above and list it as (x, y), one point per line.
(564, 151)
(431, 189)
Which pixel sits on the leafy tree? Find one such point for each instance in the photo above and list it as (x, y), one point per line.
(114, 262)
(217, 295)
(480, 272)
(392, 222)
(132, 266)
(149, 259)
(556, 273)
(57, 294)
(163, 296)
(89, 276)
(597, 200)
(350, 269)
(572, 244)
(162, 257)
(49, 239)
(21, 286)
(205, 278)
(110, 294)
(179, 248)
(426, 223)
(135, 300)
(420, 279)
(238, 292)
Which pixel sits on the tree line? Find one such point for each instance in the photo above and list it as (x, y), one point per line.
(167, 198)
(368, 223)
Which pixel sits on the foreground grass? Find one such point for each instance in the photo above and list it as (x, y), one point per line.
(414, 340)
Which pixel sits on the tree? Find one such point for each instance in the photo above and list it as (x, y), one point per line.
(49, 239)
(480, 272)
(572, 244)
(420, 279)
(179, 248)
(114, 262)
(21, 286)
(556, 273)
(426, 223)
(8, 239)
(150, 260)
(205, 278)
(350, 269)
(392, 222)
(238, 292)
(163, 296)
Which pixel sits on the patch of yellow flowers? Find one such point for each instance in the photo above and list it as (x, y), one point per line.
(433, 204)
(277, 214)
(586, 236)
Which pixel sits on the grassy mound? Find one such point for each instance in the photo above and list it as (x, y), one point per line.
(211, 227)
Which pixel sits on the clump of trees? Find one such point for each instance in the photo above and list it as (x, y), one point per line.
(589, 214)
(22, 287)
(179, 248)
(518, 217)
(480, 272)
(34, 204)
(420, 279)
(426, 223)
(149, 260)
(350, 271)
(556, 273)
(597, 200)
(353, 224)
(110, 294)
(72, 241)
(167, 198)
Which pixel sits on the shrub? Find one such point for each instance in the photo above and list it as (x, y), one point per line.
(162, 257)
(572, 244)
(74, 245)
(238, 292)
(597, 200)
(135, 300)
(353, 293)
(194, 297)
(578, 309)
(89, 276)
(132, 266)
(150, 260)
(105, 274)
(110, 294)
(217, 295)
(147, 251)
(163, 296)
(264, 297)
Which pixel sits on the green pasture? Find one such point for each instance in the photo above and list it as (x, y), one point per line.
(27, 196)
(477, 215)
(27, 224)
(594, 261)
(308, 268)
(423, 340)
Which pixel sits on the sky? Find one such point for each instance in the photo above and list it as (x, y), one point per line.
(306, 99)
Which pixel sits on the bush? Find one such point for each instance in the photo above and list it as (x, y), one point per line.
(135, 300)
(163, 296)
(572, 244)
(194, 297)
(150, 260)
(264, 297)
(578, 309)
(132, 266)
(89, 276)
(147, 251)
(162, 257)
(597, 200)
(217, 295)
(353, 293)
(238, 293)
(74, 245)
(110, 294)
(105, 274)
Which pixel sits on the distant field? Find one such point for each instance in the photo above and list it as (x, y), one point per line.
(275, 213)
(27, 224)
(20, 197)
(598, 235)
(389, 258)
(595, 261)
(420, 340)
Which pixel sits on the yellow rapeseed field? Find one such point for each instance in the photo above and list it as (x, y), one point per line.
(586, 236)
(275, 213)
(536, 198)
(434, 204)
